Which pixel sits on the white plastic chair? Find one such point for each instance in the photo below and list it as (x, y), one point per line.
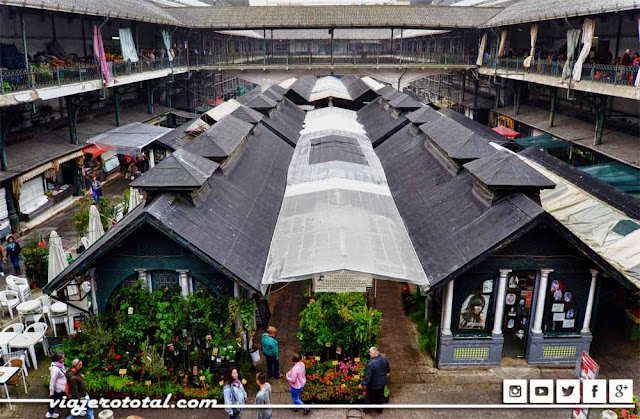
(15, 380)
(28, 339)
(33, 316)
(45, 301)
(9, 299)
(56, 318)
(8, 333)
(20, 285)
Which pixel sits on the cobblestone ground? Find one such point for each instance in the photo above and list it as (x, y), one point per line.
(413, 379)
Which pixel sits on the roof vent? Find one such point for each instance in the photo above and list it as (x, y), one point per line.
(181, 171)
(504, 173)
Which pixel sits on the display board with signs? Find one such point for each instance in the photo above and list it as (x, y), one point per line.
(343, 281)
(588, 371)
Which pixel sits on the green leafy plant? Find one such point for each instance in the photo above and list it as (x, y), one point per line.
(81, 215)
(36, 261)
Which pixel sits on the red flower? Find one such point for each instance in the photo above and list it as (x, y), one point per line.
(113, 351)
(170, 369)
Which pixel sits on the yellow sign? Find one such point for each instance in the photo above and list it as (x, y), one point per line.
(147, 383)
(317, 358)
(244, 382)
(334, 363)
(202, 378)
(356, 359)
(221, 383)
(123, 371)
(357, 377)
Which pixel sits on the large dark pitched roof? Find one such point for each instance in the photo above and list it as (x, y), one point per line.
(423, 115)
(480, 129)
(180, 170)
(449, 227)
(261, 102)
(356, 87)
(178, 138)
(405, 102)
(505, 170)
(301, 89)
(286, 121)
(231, 227)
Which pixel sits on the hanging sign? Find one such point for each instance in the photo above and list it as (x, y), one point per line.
(342, 281)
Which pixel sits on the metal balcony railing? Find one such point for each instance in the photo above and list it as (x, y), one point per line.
(601, 73)
(37, 77)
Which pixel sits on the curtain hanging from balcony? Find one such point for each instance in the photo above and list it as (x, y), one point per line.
(503, 44)
(98, 51)
(129, 52)
(588, 29)
(166, 37)
(572, 42)
(534, 36)
(483, 46)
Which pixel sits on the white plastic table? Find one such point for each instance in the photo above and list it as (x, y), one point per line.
(58, 308)
(28, 307)
(27, 340)
(6, 374)
(5, 338)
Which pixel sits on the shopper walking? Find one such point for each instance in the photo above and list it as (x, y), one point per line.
(233, 392)
(375, 377)
(57, 381)
(96, 189)
(271, 352)
(77, 388)
(263, 396)
(297, 378)
(13, 253)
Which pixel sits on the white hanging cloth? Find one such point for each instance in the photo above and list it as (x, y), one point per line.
(135, 199)
(503, 44)
(166, 37)
(573, 35)
(95, 229)
(532, 54)
(588, 29)
(129, 51)
(483, 46)
(57, 257)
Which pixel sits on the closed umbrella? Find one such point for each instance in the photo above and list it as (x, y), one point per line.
(135, 199)
(57, 258)
(95, 225)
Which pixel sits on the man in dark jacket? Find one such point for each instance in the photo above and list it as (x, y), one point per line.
(375, 377)
(76, 386)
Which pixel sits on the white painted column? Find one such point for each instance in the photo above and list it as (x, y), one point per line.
(145, 279)
(592, 294)
(446, 310)
(502, 293)
(152, 158)
(542, 293)
(184, 281)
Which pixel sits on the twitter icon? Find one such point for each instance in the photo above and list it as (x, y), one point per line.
(568, 391)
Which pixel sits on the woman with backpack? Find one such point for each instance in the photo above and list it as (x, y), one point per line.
(57, 381)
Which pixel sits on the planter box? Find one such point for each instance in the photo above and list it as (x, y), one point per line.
(62, 195)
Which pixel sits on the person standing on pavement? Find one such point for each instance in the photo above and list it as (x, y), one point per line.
(271, 352)
(57, 381)
(77, 388)
(375, 377)
(263, 396)
(297, 378)
(96, 189)
(233, 392)
(13, 253)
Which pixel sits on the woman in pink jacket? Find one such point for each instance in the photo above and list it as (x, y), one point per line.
(57, 382)
(297, 378)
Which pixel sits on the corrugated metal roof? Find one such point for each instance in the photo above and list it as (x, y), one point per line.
(525, 11)
(298, 17)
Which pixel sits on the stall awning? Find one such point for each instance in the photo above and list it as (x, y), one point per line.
(507, 132)
(68, 157)
(34, 172)
(541, 141)
(94, 150)
(619, 175)
(130, 139)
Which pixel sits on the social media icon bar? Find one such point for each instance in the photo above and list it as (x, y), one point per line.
(620, 391)
(514, 391)
(541, 391)
(568, 391)
(594, 391)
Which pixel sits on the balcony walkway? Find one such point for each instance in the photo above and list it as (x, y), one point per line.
(615, 144)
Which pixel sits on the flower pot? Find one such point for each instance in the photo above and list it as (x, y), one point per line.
(255, 356)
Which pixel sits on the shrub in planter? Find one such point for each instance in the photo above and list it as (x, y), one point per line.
(36, 261)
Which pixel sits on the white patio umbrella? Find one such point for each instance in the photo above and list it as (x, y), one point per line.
(57, 257)
(95, 225)
(135, 199)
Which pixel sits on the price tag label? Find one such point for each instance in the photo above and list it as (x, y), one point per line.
(215, 351)
(221, 383)
(202, 378)
(147, 383)
(317, 358)
(244, 382)
(122, 371)
(356, 359)
(130, 310)
(334, 363)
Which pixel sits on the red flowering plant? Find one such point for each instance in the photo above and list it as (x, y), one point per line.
(629, 413)
(333, 381)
